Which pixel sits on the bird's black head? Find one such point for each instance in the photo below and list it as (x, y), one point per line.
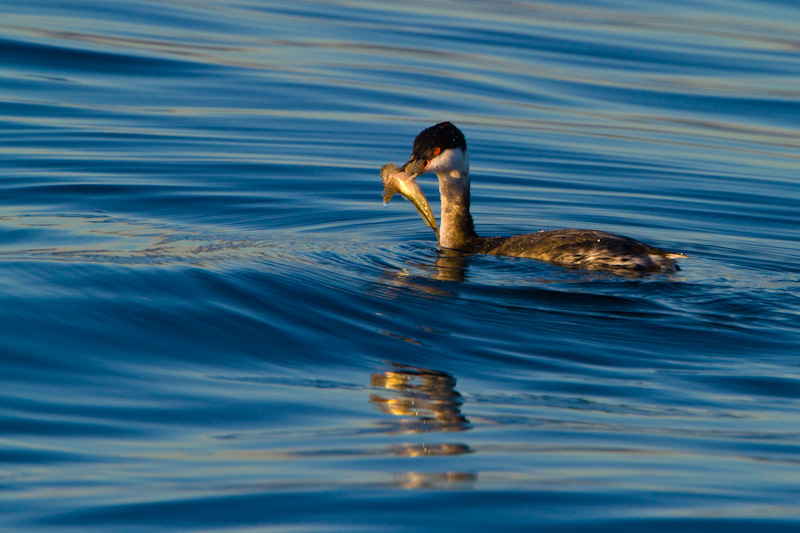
(441, 136)
(431, 142)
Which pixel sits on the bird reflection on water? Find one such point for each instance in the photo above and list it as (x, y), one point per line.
(428, 402)
(427, 396)
(423, 275)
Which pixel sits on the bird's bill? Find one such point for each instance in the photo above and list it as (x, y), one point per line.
(414, 167)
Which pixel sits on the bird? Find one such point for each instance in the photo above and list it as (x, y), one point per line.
(442, 150)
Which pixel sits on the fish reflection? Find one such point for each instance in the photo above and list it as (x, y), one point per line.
(427, 397)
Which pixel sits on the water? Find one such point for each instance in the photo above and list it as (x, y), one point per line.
(208, 321)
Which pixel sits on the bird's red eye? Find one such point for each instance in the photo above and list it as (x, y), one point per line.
(437, 151)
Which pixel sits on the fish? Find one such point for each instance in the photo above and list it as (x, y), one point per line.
(397, 181)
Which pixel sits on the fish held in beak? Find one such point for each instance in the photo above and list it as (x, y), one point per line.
(400, 181)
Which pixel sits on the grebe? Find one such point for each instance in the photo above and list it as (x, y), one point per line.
(442, 149)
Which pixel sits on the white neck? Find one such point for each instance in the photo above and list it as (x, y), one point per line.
(456, 225)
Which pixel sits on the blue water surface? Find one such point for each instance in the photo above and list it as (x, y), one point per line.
(208, 320)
